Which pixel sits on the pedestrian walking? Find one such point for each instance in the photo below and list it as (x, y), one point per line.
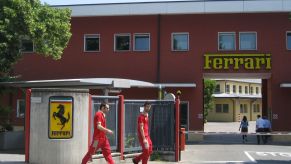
(143, 135)
(99, 137)
(267, 129)
(259, 127)
(244, 124)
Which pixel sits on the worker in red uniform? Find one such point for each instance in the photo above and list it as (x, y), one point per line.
(99, 138)
(143, 135)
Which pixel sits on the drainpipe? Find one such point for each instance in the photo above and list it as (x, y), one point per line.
(159, 49)
(160, 92)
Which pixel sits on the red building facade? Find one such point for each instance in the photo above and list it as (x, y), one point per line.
(164, 62)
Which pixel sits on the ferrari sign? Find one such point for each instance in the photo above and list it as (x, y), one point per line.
(60, 117)
(237, 61)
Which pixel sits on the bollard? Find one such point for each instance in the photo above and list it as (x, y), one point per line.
(182, 138)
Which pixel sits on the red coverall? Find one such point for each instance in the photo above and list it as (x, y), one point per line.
(143, 119)
(99, 141)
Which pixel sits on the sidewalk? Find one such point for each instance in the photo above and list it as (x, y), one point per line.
(17, 156)
(12, 157)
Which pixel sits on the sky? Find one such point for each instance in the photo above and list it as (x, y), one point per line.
(71, 2)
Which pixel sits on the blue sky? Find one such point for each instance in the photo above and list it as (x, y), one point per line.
(70, 2)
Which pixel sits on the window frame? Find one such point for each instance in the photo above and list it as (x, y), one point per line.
(240, 89)
(217, 88)
(85, 37)
(122, 34)
(227, 88)
(141, 34)
(289, 49)
(248, 32)
(218, 41)
(18, 115)
(257, 90)
(234, 89)
(180, 33)
(225, 110)
(246, 89)
(220, 106)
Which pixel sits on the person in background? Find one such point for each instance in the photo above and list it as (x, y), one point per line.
(143, 135)
(244, 124)
(267, 129)
(259, 127)
(99, 137)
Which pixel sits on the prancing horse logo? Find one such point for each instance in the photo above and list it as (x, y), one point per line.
(60, 116)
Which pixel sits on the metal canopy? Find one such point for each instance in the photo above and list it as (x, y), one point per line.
(80, 83)
(93, 83)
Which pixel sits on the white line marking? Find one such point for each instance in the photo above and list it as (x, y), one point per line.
(223, 161)
(250, 157)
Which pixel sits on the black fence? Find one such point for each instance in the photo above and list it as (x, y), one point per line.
(161, 125)
(111, 117)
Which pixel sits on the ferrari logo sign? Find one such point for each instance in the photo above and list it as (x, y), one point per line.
(60, 117)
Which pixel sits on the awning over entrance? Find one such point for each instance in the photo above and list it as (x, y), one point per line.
(81, 83)
(94, 83)
(285, 85)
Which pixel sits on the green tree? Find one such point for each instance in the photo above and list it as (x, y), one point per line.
(209, 88)
(47, 27)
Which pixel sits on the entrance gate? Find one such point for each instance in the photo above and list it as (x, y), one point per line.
(163, 130)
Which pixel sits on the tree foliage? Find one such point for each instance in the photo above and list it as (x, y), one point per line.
(209, 88)
(48, 28)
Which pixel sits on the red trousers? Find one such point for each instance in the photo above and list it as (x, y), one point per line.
(102, 143)
(144, 156)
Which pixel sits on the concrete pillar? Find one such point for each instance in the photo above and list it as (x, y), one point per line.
(42, 149)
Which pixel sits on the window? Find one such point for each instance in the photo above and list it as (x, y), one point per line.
(92, 43)
(257, 90)
(288, 40)
(20, 108)
(240, 89)
(226, 41)
(221, 108)
(233, 89)
(256, 108)
(122, 42)
(243, 108)
(252, 90)
(218, 108)
(27, 46)
(217, 88)
(247, 41)
(180, 42)
(246, 89)
(141, 42)
(227, 88)
(225, 108)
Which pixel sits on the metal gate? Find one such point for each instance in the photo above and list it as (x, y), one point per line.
(161, 124)
(111, 117)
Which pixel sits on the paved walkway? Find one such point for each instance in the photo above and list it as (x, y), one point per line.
(17, 156)
(227, 127)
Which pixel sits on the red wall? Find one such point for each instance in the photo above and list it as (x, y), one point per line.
(175, 67)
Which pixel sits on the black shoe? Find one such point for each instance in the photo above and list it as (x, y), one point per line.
(134, 161)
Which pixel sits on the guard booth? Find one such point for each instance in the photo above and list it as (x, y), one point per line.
(58, 120)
